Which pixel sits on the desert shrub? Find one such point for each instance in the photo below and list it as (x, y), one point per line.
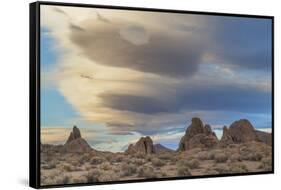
(211, 171)
(235, 157)
(118, 158)
(231, 146)
(78, 179)
(161, 174)
(47, 158)
(221, 169)
(68, 167)
(266, 164)
(84, 158)
(252, 156)
(190, 157)
(50, 165)
(140, 155)
(93, 176)
(65, 179)
(128, 159)
(193, 164)
(75, 163)
(62, 179)
(194, 151)
(157, 162)
(267, 151)
(108, 176)
(183, 171)
(205, 155)
(213, 153)
(97, 160)
(220, 158)
(146, 172)
(105, 166)
(48, 181)
(55, 177)
(128, 169)
(138, 161)
(238, 168)
(148, 158)
(165, 156)
(108, 157)
(61, 158)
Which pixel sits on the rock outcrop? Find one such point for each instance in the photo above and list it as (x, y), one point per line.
(198, 135)
(144, 146)
(74, 134)
(240, 131)
(75, 143)
(226, 138)
(264, 137)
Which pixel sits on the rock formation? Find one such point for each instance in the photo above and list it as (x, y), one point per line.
(75, 134)
(144, 145)
(226, 138)
(198, 135)
(240, 131)
(75, 143)
(264, 137)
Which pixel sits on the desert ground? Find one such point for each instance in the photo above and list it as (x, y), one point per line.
(241, 149)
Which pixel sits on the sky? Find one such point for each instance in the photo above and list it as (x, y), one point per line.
(120, 75)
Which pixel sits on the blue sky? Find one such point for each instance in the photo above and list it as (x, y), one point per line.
(119, 79)
(55, 110)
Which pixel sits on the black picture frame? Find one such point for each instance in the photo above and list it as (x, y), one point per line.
(34, 93)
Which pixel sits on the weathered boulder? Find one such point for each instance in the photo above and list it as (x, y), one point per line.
(198, 135)
(144, 145)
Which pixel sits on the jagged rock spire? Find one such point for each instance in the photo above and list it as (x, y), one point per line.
(75, 134)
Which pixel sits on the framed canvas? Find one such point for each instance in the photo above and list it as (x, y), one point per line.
(123, 94)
